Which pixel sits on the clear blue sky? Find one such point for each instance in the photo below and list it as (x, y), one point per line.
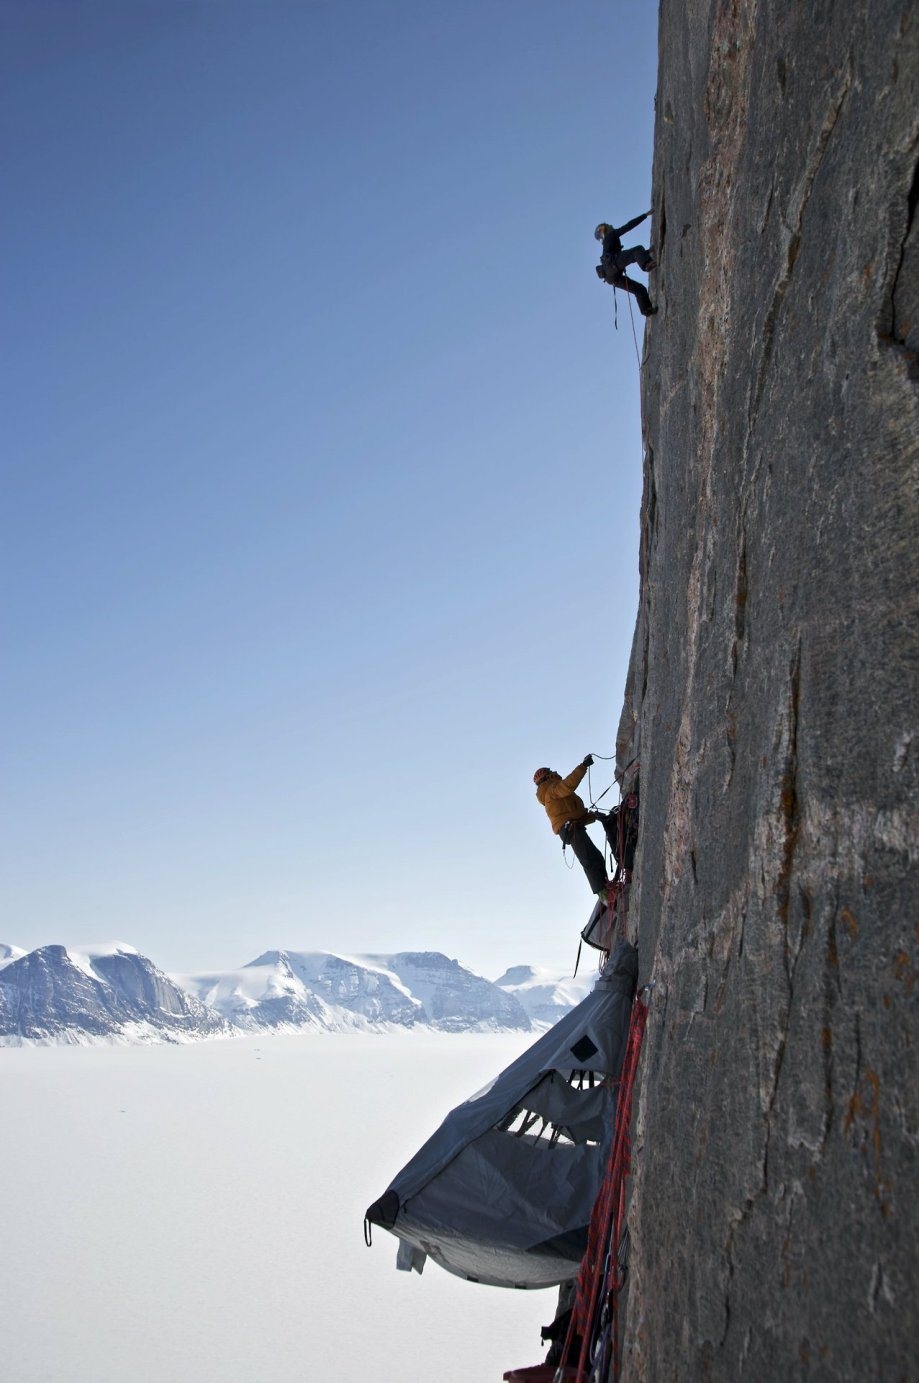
(321, 466)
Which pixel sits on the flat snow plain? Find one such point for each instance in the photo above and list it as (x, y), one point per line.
(182, 1214)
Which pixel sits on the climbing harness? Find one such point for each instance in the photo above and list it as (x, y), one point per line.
(602, 1275)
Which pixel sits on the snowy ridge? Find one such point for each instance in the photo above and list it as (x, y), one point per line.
(346, 992)
(110, 992)
(78, 994)
(544, 995)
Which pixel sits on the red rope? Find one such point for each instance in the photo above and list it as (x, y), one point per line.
(600, 1264)
(623, 1124)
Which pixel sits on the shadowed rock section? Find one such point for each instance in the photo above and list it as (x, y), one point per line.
(771, 698)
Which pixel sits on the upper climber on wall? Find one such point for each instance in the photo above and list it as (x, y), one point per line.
(569, 818)
(614, 261)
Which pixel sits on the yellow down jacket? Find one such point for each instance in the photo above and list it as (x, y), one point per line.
(560, 800)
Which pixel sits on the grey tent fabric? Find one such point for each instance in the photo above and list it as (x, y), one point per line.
(580, 1114)
(502, 1192)
(408, 1257)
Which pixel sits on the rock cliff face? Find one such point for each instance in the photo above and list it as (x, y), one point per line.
(772, 698)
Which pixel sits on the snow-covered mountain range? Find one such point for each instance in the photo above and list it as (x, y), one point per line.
(67, 994)
(316, 989)
(76, 994)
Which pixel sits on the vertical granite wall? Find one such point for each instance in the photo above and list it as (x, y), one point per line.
(772, 700)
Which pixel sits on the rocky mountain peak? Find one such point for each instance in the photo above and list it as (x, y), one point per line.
(75, 994)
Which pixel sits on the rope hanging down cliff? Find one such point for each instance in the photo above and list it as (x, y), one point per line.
(595, 1318)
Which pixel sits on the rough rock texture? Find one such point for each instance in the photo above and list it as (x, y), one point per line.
(772, 700)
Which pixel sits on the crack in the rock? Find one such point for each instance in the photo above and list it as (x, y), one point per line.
(768, 207)
(773, 1094)
(644, 668)
(830, 992)
(740, 598)
(789, 806)
(794, 240)
(744, 1215)
(912, 201)
(741, 592)
(718, 1001)
(727, 1303)
(730, 731)
(651, 520)
(740, 604)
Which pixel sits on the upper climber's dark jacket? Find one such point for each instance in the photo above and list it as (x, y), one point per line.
(612, 240)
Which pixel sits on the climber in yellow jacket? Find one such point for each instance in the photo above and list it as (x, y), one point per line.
(569, 817)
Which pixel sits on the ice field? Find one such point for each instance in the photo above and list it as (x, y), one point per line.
(181, 1214)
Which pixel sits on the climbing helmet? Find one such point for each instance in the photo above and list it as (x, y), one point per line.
(601, 231)
(541, 775)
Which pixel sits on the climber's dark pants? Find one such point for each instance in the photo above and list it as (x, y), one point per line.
(586, 853)
(638, 290)
(612, 270)
(636, 255)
